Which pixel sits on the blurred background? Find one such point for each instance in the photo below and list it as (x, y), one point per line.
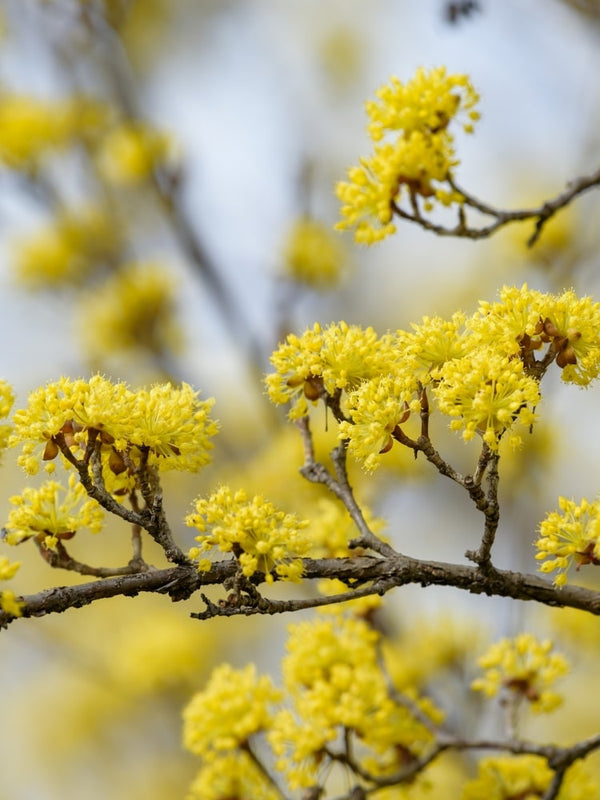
(156, 161)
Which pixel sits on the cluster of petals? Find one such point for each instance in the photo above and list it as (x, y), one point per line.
(417, 155)
(570, 536)
(261, 537)
(51, 513)
(525, 668)
(7, 399)
(171, 424)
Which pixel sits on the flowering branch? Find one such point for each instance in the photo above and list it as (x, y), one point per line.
(541, 214)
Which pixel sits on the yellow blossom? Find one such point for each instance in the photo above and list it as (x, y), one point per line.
(428, 102)
(234, 705)
(260, 536)
(563, 325)
(333, 676)
(434, 342)
(10, 604)
(524, 667)
(131, 152)
(52, 513)
(416, 159)
(312, 255)
(8, 568)
(569, 536)
(376, 408)
(133, 310)
(233, 775)
(171, 423)
(29, 128)
(487, 393)
(526, 777)
(7, 399)
(338, 357)
(65, 252)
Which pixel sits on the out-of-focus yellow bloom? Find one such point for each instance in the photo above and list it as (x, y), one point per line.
(525, 321)
(312, 255)
(133, 310)
(428, 102)
(52, 513)
(260, 536)
(569, 536)
(29, 128)
(525, 668)
(7, 399)
(171, 423)
(131, 152)
(67, 251)
(234, 705)
(333, 676)
(528, 778)
(233, 775)
(9, 603)
(487, 393)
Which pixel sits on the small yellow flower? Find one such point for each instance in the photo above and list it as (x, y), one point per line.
(339, 356)
(233, 775)
(524, 667)
(569, 536)
(68, 250)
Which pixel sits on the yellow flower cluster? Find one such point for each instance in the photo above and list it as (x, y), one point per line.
(486, 394)
(29, 128)
(312, 255)
(8, 600)
(526, 321)
(417, 159)
(569, 536)
(234, 705)
(68, 250)
(338, 357)
(333, 677)
(131, 152)
(261, 537)
(482, 371)
(234, 775)
(527, 777)
(170, 423)
(132, 310)
(525, 668)
(52, 513)
(7, 399)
